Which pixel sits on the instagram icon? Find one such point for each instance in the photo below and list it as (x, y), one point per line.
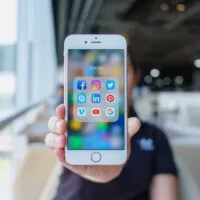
(96, 85)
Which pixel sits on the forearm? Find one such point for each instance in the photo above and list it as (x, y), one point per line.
(164, 187)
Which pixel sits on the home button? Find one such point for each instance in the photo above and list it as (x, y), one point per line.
(96, 157)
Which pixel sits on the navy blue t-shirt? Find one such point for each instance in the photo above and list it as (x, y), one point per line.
(150, 155)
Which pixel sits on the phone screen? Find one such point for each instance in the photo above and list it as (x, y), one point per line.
(96, 99)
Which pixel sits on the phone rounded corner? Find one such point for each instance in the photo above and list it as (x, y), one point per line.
(67, 39)
(123, 161)
(123, 39)
(67, 160)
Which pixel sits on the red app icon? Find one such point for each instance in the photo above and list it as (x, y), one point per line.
(96, 111)
(110, 98)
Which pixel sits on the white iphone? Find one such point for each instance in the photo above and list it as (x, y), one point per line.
(96, 99)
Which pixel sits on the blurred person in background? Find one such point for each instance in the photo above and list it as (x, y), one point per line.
(149, 174)
(59, 94)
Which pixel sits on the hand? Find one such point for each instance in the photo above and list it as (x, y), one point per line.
(56, 140)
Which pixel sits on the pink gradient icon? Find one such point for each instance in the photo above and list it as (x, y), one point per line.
(96, 85)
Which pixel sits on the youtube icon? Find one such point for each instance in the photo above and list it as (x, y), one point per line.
(96, 111)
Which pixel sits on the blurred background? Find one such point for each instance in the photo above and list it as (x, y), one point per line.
(164, 36)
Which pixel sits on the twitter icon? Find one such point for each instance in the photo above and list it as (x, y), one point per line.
(110, 85)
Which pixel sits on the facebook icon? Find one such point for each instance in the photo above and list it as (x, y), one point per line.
(96, 98)
(81, 85)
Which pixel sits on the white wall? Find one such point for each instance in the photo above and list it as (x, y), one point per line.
(178, 111)
(186, 103)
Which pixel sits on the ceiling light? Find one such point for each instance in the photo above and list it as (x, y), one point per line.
(166, 81)
(164, 7)
(159, 82)
(148, 79)
(179, 80)
(180, 7)
(155, 73)
(197, 63)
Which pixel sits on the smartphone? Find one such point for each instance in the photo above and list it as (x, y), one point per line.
(95, 76)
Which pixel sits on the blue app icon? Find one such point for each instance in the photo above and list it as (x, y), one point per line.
(81, 112)
(81, 85)
(89, 70)
(81, 98)
(110, 85)
(95, 98)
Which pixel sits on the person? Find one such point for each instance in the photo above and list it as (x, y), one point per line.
(149, 174)
(59, 94)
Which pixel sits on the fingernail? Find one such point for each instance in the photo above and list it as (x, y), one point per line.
(57, 140)
(58, 125)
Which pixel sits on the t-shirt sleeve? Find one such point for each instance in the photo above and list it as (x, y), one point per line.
(164, 161)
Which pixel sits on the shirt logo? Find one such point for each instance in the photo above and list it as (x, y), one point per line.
(146, 144)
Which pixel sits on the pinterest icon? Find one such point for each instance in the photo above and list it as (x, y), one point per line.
(110, 98)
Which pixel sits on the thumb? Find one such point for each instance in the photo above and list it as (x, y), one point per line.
(133, 126)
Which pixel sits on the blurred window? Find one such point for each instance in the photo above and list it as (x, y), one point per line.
(7, 54)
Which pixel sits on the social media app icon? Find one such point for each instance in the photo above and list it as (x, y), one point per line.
(96, 111)
(95, 98)
(110, 98)
(81, 112)
(81, 98)
(110, 112)
(81, 85)
(96, 85)
(110, 85)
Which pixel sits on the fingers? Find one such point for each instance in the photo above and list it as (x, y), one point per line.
(60, 154)
(60, 111)
(55, 141)
(57, 125)
(133, 126)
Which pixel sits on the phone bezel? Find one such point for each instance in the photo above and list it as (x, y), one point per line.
(96, 41)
